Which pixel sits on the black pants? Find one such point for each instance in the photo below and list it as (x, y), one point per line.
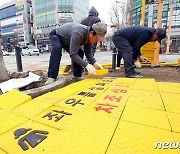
(126, 51)
(56, 54)
(119, 57)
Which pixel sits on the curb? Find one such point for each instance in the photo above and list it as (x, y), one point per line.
(59, 83)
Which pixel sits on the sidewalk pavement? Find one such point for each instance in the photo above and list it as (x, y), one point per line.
(169, 58)
(110, 115)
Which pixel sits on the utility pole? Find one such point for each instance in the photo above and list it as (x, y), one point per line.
(157, 44)
(169, 29)
(128, 17)
(150, 17)
(143, 12)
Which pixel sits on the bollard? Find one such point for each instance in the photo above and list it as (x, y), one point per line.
(18, 58)
(114, 58)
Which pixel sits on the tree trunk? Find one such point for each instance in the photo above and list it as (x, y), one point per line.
(3, 72)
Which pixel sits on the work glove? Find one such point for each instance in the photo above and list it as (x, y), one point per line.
(142, 58)
(91, 70)
(137, 64)
(97, 65)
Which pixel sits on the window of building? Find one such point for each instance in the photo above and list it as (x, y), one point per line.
(8, 12)
(164, 14)
(9, 28)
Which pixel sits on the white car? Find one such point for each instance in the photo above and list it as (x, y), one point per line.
(29, 51)
(6, 53)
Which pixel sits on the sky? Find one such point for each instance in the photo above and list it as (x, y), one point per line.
(103, 7)
(4, 1)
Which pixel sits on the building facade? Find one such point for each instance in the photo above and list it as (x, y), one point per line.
(16, 23)
(51, 13)
(135, 18)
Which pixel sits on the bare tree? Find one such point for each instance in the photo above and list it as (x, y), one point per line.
(3, 72)
(119, 14)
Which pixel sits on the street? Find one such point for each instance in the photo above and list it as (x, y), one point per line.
(41, 62)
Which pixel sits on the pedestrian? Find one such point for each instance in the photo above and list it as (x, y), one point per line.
(89, 21)
(71, 36)
(129, 40)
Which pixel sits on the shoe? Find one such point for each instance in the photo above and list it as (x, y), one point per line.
(118, 68)
(133, 75)
(75, 78)
(49, 81)
(138, 73)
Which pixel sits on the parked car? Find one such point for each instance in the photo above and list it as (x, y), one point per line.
(29, 51)
(6, 53)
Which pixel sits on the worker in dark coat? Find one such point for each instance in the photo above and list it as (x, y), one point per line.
(129, 40)
(89, 21)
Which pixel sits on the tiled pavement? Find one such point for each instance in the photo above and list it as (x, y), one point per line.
(110, 115)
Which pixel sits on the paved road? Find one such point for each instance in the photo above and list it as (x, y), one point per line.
(42, 62)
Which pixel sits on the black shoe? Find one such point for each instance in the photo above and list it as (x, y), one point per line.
(138, 73)
(133, 75)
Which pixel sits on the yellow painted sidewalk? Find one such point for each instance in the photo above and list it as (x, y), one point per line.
(93, 116)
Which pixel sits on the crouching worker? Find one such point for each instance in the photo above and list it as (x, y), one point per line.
(128, 41)
(71, 36)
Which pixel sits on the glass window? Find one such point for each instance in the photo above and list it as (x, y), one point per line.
(63, 2)
(177, 12)
(177, 22)
(164, 14)
(8, 12)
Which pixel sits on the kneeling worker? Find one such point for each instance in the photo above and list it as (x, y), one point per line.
(129, 40)
(71, 36)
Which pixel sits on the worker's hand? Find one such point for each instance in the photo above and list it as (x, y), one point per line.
(91, 69)
(97, 65)
(137, 64)
(142, 58)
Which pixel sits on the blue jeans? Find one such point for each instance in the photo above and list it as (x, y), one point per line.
(56, 54)
(77, 69)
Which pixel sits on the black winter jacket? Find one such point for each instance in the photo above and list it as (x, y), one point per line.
(137, 36)
(92, 18)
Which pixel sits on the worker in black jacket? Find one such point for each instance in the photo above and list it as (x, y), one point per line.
(89, 21)
(129, 40)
